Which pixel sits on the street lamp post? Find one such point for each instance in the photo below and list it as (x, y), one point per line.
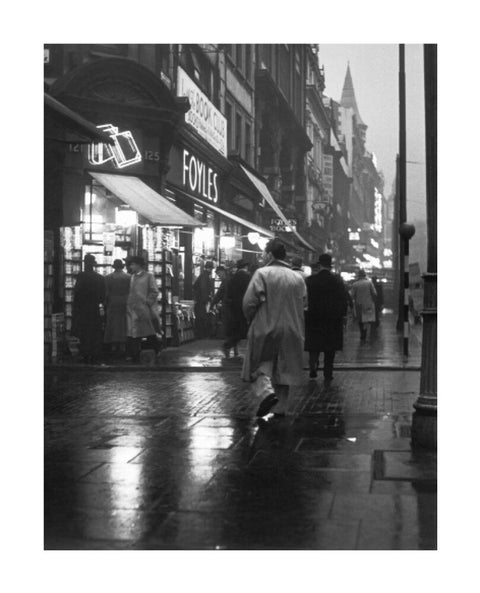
(406, 233)
(424, 424)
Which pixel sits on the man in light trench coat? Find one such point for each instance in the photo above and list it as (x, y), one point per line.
(273, 305)
(141, 309)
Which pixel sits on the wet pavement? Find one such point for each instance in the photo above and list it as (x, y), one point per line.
(383, 349)
(145, 460)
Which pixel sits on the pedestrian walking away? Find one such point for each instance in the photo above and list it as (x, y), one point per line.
(117, 286)
(297, 266)
(377, 284)
(88, 297)
(236, 326)
(324, 318)
(202, 295)
(364, 296)
(217, 306)
(142, 310)
(273, 305)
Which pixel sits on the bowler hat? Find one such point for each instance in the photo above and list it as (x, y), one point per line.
(137, 259)
(242, 263)
(325, 260)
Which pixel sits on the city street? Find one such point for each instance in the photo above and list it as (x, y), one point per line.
(160, 458)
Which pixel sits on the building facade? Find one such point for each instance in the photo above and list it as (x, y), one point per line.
(187, 153)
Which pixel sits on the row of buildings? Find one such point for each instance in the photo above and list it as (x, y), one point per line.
(185, 153)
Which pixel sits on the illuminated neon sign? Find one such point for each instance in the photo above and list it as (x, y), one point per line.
(123, 152)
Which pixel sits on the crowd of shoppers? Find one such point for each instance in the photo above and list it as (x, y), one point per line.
(115, 313)
(279, 309)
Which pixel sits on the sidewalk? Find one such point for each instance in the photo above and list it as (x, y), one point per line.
(178, 461)
(384, 350)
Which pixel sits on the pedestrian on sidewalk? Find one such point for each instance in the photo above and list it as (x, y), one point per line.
(324, 319)
(364, 295)
(297, 266)
(273, 305)
(142, 310)
(203, 288)
(377, 284)
(117, 286)
(236, 326)
(88, 298)
(217, 306)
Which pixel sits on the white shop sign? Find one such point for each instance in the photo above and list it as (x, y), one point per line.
(198, 177)
(203, 115)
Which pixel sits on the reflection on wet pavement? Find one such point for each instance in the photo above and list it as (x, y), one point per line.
(146, 460)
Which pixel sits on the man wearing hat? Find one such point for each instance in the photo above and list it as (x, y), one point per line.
(141, 308)
(117, 288)
(203, 288)
(88, 295)
(326, 308)
(236, 327)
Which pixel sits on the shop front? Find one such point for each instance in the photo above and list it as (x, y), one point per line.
(200, 181)
(105, 197)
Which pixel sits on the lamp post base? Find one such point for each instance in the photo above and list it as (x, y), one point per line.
(424, 427)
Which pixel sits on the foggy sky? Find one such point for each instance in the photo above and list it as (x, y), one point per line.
(374, 70)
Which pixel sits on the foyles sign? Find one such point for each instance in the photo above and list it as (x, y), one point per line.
(199, 178)
(203, 115)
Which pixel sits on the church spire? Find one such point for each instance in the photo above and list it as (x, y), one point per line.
(348, 96)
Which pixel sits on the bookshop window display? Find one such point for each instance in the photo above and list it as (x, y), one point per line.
(111, 230)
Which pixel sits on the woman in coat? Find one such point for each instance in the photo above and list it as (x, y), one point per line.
(273, 304)
(364, 297)
(141, 308)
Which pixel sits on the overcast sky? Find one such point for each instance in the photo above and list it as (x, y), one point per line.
(374, 69)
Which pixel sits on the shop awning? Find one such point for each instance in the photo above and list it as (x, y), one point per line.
(144, 200)
(235, 218)
(265, 193)
(75, 122)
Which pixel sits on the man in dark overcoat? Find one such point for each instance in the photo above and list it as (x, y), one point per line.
(236, 326)
(203, 289)
(88, 295)
(327, 306)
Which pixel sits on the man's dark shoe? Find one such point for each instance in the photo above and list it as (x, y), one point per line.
(266, 405)
(313, 374)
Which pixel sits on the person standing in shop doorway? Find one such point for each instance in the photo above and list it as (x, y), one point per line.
(364, 297)
(88, 297)
(117, 288)
(236, 326)
(327, 306)
(203, 288)
(141, 310)
(273, 305)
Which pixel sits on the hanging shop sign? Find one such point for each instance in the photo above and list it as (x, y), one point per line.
(328, 175)
(277, 224)
(122, 153)
(203, 115)
(378, 211)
